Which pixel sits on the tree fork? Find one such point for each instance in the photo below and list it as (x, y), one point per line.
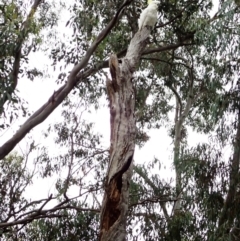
(121, 95)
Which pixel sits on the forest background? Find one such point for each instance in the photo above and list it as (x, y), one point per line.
(57, 183)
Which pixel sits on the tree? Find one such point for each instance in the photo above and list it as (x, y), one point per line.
(189, 67)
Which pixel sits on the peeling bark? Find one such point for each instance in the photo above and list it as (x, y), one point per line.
(123, 129)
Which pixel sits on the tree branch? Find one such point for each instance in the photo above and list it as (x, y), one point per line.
(56, 99)
(169, 47)
(155, 190)
(46, 214)
(43, 213)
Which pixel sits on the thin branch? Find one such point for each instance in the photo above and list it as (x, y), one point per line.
(165, 48)
(30, 204)
(155, 190)
(164, 61)
(159, 199)
(105, 64)
(44, 214)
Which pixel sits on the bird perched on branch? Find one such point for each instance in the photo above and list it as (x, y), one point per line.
(148, 16)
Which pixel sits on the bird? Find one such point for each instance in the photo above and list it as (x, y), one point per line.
(149, 16)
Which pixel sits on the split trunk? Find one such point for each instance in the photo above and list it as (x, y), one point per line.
(121, 95)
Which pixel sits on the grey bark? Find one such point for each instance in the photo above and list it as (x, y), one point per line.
(123, 129)
(180, 116)
(179, 120)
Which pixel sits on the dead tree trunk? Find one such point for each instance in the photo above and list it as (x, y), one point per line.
(123, 128)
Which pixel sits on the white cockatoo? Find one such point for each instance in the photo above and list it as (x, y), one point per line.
(149, 16)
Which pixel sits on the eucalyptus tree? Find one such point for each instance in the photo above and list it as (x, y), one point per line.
(188, 67)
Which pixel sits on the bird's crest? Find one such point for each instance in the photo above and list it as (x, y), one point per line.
(149, 1)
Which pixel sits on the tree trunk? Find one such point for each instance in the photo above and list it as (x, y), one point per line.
(176, 160)
(180, 116)
(123, 128)
(230, 208)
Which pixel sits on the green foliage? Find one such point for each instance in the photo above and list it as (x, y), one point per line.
(14, 178)
(69, 226)
(20, 36)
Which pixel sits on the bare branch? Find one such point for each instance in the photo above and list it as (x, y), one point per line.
(155, 199)
(43, 213)
(155, 190)
(46, 214)
(168, 47)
